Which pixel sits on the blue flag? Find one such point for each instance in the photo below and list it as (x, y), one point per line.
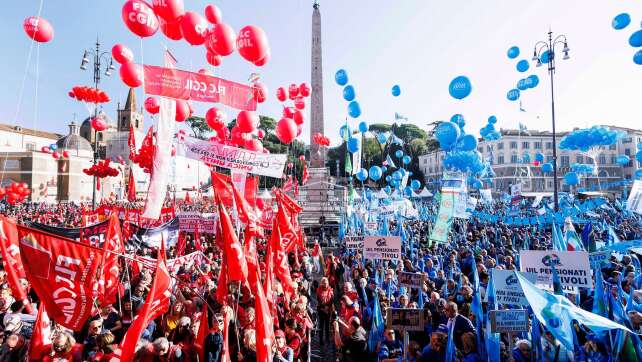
(476, 308)
(376, 331)
(557, 313)
(491, 339)
(450, 348)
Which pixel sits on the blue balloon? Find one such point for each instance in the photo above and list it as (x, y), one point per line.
(388, 178)
(407, 191)
(384, 169)
(353, 145)
(460, 87)
(492, 120)
(387, 189)
(522, 85)
(406, 160)
(522, 66)
(545, 57)
(621, 21)
(341, 77)
(344, 132)
(375, 173)
(526, 158)
(638, 156)
(399, 153)
(381, 138)
(547, 167)
(397, 175)
(354, 109)
(415, 184)
(571, 178)
(513, 52)
(477, 184)
(539, 157)
(638, 174)
(362, 175)
(513, 95)
(533, 80)
(637, 58)
(348, 93)
(363, 127)
(622, 160)
(447, 134)
(53, 147)
(458, 119)
(636, 39)
(396, 90)
(394, 183)
(468, 142)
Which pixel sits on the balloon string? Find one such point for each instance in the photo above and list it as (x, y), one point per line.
(21, 92)
(35, 110)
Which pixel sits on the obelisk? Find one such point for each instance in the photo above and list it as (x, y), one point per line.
(317, 154)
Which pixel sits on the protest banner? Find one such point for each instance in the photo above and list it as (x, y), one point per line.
(353, 242)
(405, 319)
(188, 220)
(411, 280)
(486, 195)
(382, 247)
(444, 218)
(634, 202)
(573, 266)
(93, 234)
(151, 237)
(371, 225)
(509, 321)
(507, 287)
(180, 84)
(596, 258)
(215, 154)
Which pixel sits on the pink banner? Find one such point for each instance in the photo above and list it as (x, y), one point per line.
(180, 84)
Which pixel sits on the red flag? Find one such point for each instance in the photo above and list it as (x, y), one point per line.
(289, 236)
(41, 337)
(131, 187)
(287, 186)
(305, 176)
(251, 257)
(264, 327)
(226, 343)
(290, 205)
(203, 331)
(156, 303)
(109, 285)
(131, 141)
(236, 264)
(180, 244)
(280, 262)
(63, 274)
(197, 239)
(188, 200)
(246, 215)
(222, 188)
(11, 260)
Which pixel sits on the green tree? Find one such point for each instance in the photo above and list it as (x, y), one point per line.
(199, 127)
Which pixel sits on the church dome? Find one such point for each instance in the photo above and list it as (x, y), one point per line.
(74, 143)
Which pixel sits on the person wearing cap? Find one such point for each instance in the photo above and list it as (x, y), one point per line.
(282, 352)
(390, 349)
(436, 349)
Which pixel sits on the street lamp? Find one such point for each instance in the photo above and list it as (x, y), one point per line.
(548, 48)
(109, 62)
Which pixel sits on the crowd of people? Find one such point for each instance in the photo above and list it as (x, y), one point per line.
(340, 299)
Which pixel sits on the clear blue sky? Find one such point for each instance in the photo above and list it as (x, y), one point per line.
(420, 45)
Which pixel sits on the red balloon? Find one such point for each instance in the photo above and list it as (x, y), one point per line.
(252, 43)
(205, 72)
(260, 134)
(304, 90)
(302, 158)
(131, 74)
(263, 61)
(221, 39)
(182, 110)
(140, 18)
(173, 150)
(286, 130)
(65, 154)
(299, 103)
(152, 105)
(171, 29)
(281, 95)
(535, 163)
(71, 94)
(122, 54)
(293, 91)
(55, 155)
(254, 145)
(194, 28)
(45, 149)
(297, 117)
(239, 137)
(98, 124)
(247, 121)
(213, 14)
(299, 129)
(38, 29)
(288, 112)
(260, 92)
(215, 118)
(169, 10)
(214, 59)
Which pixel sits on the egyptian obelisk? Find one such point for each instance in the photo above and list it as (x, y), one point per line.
(317, 154)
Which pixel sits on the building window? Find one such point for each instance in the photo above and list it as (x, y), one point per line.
(602, 160)
(136, 124)
(549, 158)
(500, 146)
(480, 149)
(579, 159)
(489, 148)
(549, 145)
(627, 151)
(550, 184)
(537, 145)
(526, 145)
(613, 159)
(612, 147)
(30, 146)
(627, 140)
(425, 161)
(513, 145)
(500, 159)
(564, 161)
(514, 159)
